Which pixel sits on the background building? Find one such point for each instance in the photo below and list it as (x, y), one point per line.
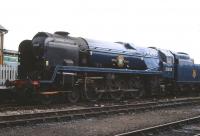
(10, 57)
(2, 32)
(8, 61)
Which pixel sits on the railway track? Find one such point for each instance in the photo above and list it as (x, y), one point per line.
(68, 115)
(185, 127)
(16, 107)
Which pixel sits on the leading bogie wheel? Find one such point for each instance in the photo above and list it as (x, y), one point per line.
(74, 95)
(46, 99)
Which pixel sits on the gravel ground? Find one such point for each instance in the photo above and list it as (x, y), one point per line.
(109, 125)
(60, 107)
(188, 130)
(36, 110)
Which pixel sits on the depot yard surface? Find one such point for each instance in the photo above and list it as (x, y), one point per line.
(109, 125)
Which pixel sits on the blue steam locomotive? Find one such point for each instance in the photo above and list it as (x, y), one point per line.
(76, 68)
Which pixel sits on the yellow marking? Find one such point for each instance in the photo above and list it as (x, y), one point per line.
(52, 93)
(120, 61)
(194, 73)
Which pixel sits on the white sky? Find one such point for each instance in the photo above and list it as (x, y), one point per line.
(168, 24)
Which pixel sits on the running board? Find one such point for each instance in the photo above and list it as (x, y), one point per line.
(117, 90)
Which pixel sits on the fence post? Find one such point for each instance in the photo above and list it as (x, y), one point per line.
(7, 73)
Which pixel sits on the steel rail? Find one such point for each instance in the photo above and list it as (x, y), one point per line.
(163, 127)
(68, 115)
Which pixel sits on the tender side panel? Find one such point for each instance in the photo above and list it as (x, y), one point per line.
(188, 73)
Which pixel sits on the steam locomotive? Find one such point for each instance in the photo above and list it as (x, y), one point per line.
(79, 68)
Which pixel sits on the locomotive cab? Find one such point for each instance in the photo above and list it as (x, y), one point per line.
(166, 63)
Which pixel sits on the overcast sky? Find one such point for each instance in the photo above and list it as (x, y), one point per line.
(168, 24)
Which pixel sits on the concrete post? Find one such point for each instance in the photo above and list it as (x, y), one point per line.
(1, 48)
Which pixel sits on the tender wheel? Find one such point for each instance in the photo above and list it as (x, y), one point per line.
(74, 96)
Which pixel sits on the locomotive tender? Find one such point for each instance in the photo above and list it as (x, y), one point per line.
(58, 64)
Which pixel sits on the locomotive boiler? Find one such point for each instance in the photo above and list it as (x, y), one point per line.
(46, 51)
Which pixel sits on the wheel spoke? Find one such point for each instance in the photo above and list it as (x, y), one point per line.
(117, 95)
(136, 84)
(46, 100)
(115, 92)
(92, 94)
(74, 95)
